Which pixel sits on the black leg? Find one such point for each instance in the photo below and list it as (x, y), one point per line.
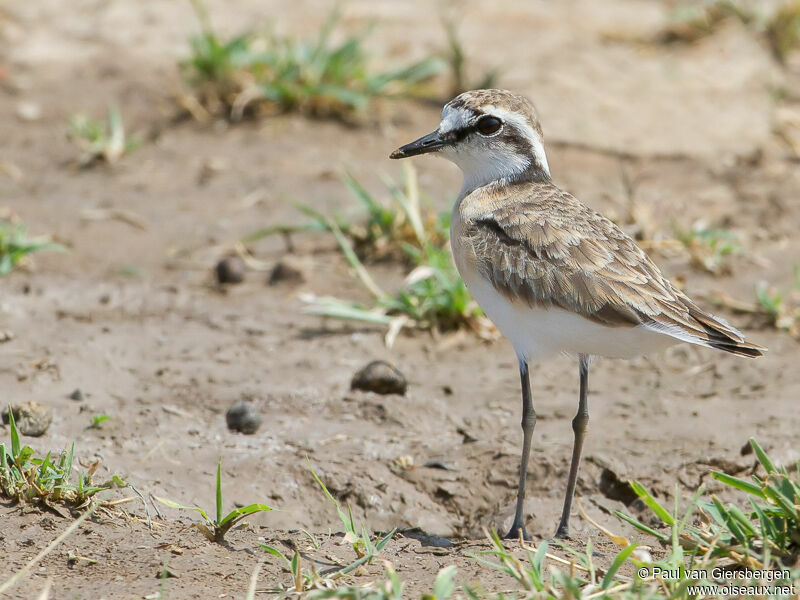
(528, 423)
(579, 424)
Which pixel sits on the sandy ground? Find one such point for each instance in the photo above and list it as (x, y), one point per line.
(135, 323)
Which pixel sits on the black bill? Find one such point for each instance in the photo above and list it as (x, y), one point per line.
(427, 143)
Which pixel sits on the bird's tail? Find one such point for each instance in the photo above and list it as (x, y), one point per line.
(722, 336)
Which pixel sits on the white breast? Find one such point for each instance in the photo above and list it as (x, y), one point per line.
(537, 333)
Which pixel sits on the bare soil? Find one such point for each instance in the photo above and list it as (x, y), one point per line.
(130, 316)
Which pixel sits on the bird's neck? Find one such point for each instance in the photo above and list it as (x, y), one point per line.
(500, 171)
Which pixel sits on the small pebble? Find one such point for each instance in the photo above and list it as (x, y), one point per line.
(230, 270)
(77, 395)
(379, 377)
(287, 270)
(28, 111)
(242, 417)
(31, 418)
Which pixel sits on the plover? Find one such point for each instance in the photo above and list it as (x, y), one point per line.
(552, 274)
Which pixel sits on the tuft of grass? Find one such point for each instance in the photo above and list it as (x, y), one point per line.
(98, 420)
(529, 576)
(356, 536)
(28, 479)
(393, 222)
(263, 73)
(692, 21)
(433, 297)
(379, 228)
(390, 588)
(765, 535)
(16, 246)
(216, 528)
(710, 247)
(100, 140)
(304, 579)
(779, 307)
(782, 306)
(581, 579)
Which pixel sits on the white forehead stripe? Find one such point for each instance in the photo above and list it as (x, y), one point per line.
(454, 119)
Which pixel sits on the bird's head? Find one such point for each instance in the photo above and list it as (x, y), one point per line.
(491, 135)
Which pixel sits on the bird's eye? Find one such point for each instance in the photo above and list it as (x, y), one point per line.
(488, 125)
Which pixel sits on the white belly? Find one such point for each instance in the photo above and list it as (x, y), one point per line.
(538, 333)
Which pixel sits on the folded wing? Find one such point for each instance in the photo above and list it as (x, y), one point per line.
(578, 260)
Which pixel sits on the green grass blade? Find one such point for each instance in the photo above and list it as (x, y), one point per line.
(642, 527)
(243, 512)
(654, 505)
(765, 461)
(364, 537)
(781, 500)
(219, 490)
(360, 192)
(739, 484)
(275, 552)
(335, 309)
(173, 504)
(341, 513)
(730, 523)
(15, 446)
(538, 558)
(616, 564)
(68, 463)
(384, 540)
(443, 585)
(352, 566)
(355, 263)
(743, 521)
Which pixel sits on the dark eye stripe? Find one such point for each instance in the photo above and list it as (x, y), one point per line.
(457, 135)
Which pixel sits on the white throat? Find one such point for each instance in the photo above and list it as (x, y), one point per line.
(481, 168)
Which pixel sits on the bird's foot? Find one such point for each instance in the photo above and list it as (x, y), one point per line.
(514, 533)
(562, 532)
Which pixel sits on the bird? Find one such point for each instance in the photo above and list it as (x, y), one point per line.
(552, 274)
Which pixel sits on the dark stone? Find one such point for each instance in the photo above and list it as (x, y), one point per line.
(242, 417)
(286, 271)
(614, 488)
(31, 418)
(230, 270)
(379, 377)
(77, 395)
